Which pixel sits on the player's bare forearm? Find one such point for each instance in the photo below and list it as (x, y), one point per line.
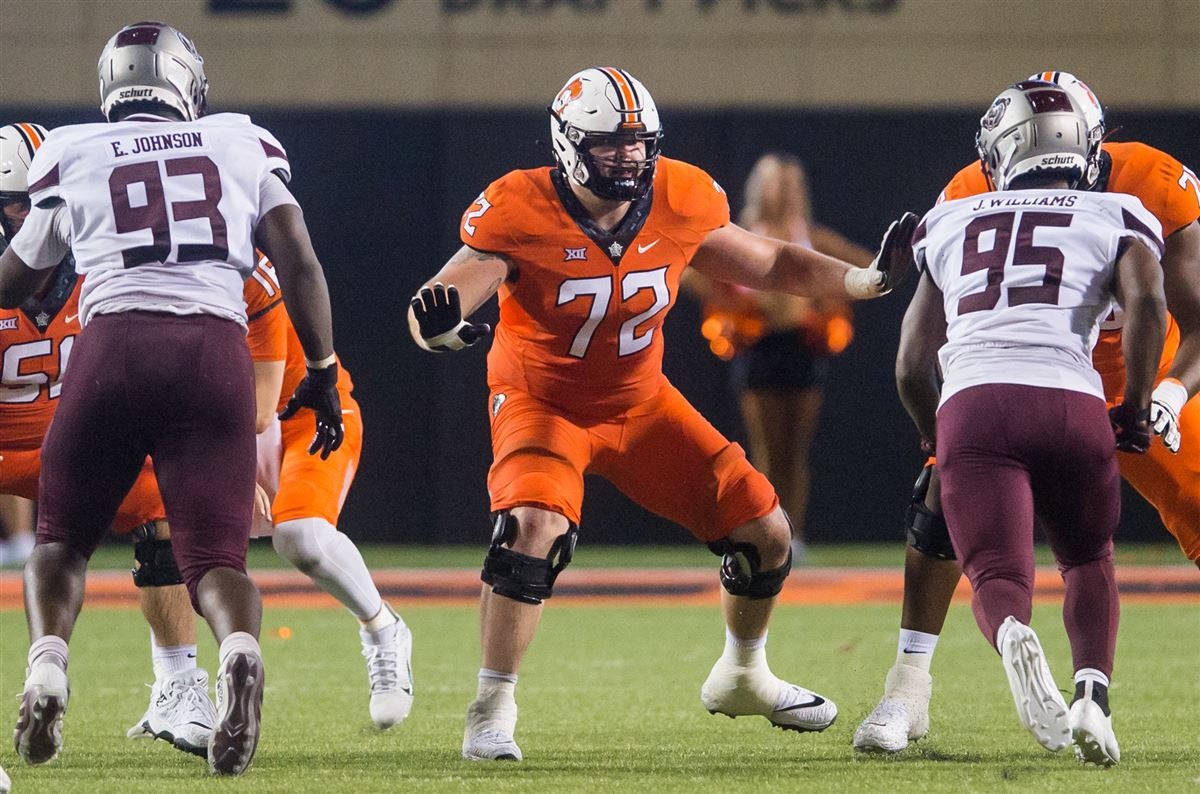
(736, 256)
(922, 335)
(476, 274)
(268, 383)
(17, 280)
(283, 236)
(1181, 284)
(1140, 293)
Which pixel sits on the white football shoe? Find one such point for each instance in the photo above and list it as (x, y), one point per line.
(180, 713)
(737, 691)
(389, 669)
(1091, 728)
(38, 735)
(902, 715)
(489, 732)
(240, 682)
(1040, 706)
(5, 782)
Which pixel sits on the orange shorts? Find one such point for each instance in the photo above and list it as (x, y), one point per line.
(662, 454)
(1169, 482)
(19, 475)
(308, 487)
(1172, 482)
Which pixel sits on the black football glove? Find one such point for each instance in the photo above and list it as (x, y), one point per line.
(318, 391)
(1131, 426)
(439, 316)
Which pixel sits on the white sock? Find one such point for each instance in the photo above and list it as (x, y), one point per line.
(916, 648)
(745, 653)
(331, 560)
(50, 649)
(171, 659)
(383, 627)
(238, 642)
(496, 688)
(1091, 674)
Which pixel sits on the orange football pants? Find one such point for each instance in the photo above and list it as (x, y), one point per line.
(308, 486)
(662, 454)
(19, 473)
(1169, 482)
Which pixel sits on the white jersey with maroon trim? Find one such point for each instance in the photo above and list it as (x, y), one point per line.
(161, 213)
(1027, 276)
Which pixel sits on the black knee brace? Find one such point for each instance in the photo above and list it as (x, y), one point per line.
(156, 565)
(740, 570)
(927, 531)
(521, 577)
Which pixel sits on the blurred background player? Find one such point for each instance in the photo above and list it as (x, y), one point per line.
(36, 345)
(1014, 289)
(306, 495)
(163, 299)
(780, 344)
(587, 257)
(16, 530)
(1169, 481)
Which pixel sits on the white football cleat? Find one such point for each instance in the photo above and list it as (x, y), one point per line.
(1091, 728)
(180, 713)
(489, 733)
(389, 669)
(1040, 706)
(902, 715)
(240, 681)
(755, 691)
(5, 782)
(38, 736)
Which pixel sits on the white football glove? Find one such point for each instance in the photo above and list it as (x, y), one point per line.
(1166, 402)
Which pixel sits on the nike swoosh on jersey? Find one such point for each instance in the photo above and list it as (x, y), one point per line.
(816, 701)
(70, 317)
(644, 248)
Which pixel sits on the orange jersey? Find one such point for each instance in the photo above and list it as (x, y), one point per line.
(35, 345)
(1168, 190)
(270, 333)
(581, 313)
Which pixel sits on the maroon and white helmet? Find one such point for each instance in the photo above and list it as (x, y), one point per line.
(605, 105)
(152, 62)
(1033, 126)
(1093, 113)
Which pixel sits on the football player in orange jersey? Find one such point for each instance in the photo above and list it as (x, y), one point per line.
(35, 346)
(587, 258)
(306, 495)
(1168, 475)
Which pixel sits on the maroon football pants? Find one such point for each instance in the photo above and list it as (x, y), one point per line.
(1006, 451)
(179, 389)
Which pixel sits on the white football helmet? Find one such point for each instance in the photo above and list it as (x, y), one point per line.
(18, 143)
(1033, 126)
(1093, 112)
(152, 62)
(605, 105)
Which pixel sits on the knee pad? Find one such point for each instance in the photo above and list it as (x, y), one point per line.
(926, 530)
(518, 576)
(156, 566)
(741, 570)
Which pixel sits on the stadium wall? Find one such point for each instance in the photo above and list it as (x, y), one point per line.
(383, 191)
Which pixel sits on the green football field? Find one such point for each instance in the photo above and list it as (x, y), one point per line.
(609, 697)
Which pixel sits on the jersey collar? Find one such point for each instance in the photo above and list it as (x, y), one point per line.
(614, 244)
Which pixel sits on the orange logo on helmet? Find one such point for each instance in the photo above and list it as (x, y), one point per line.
(573, 91)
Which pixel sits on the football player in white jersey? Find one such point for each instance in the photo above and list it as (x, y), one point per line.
(1015, 284)
(162, 208)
